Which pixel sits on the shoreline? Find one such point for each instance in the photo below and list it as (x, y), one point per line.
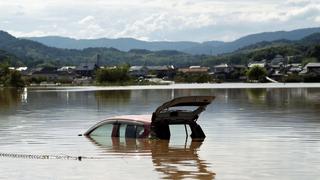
(180, 86)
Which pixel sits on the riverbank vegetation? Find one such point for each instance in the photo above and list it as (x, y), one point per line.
(113, 75)
(193, 78)
(10, 78)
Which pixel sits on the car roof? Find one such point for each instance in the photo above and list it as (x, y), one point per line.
(140, 118)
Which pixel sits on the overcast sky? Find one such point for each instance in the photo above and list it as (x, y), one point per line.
(172, 20)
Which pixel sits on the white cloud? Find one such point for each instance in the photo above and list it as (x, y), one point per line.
(298, 2)
(197, 20)
(86, 20)
(35, 33)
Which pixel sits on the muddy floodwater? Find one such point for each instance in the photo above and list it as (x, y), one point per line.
(251, 133)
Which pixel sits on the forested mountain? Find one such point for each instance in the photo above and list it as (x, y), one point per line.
(209, 47)
(6, 57)
(123, 44)
(302, 50)
(30, 53)
(33, 53)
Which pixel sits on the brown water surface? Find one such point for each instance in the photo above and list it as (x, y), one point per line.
(251, 134)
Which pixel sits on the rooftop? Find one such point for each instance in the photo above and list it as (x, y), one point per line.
(313, 65)
(86, 66)
(222, 66)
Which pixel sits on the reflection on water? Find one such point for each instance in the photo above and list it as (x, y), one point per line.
(257, 95)
(180, 163)
(174, 162)
(10, 98)
(251, 134)
(120, 97)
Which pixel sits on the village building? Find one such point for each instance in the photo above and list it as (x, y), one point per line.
(277, 60)
(222, 71)
(223, 68)
(294, 68)
(161, 71)
(48, 73)
(19, 68)
(311, 68)
(86, 69)
(194, 69)
(138, 71)
(67, 68)
(262, 64)
(157, 71)
(51, 74)
(229, 72)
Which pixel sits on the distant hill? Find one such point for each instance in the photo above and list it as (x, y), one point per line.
(310, 40)
(123, 44)
(209, 47)
(305, 49)
(33, 53)
(6, 57)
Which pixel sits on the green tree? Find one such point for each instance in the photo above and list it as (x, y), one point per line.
(315, 52)
(305, 61)
(14, 79)
(10, 78)
(193, 78)
(4, 71)
(257, 73)
(118, 74)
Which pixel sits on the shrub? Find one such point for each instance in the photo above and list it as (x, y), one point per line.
(257, 73)
(119, 74)
(193, 78)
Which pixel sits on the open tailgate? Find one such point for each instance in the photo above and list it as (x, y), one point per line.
(176, 111)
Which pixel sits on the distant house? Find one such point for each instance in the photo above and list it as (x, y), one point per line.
(260, 64)
(294, 68)
(313, 68)
(161, 71)
(277, 71)
(138, 71)
(51, 74)
(48, 73)
(223, 68)
(86, 69)
(277, 60)
(222, 71)
(231, 72)
(67, 68)
(194, 69)
(23, 70)
(19, 68)
(157, 71)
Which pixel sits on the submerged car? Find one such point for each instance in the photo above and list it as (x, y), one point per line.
(178, 111)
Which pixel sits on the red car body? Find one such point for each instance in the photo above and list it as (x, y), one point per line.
(173, 112)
